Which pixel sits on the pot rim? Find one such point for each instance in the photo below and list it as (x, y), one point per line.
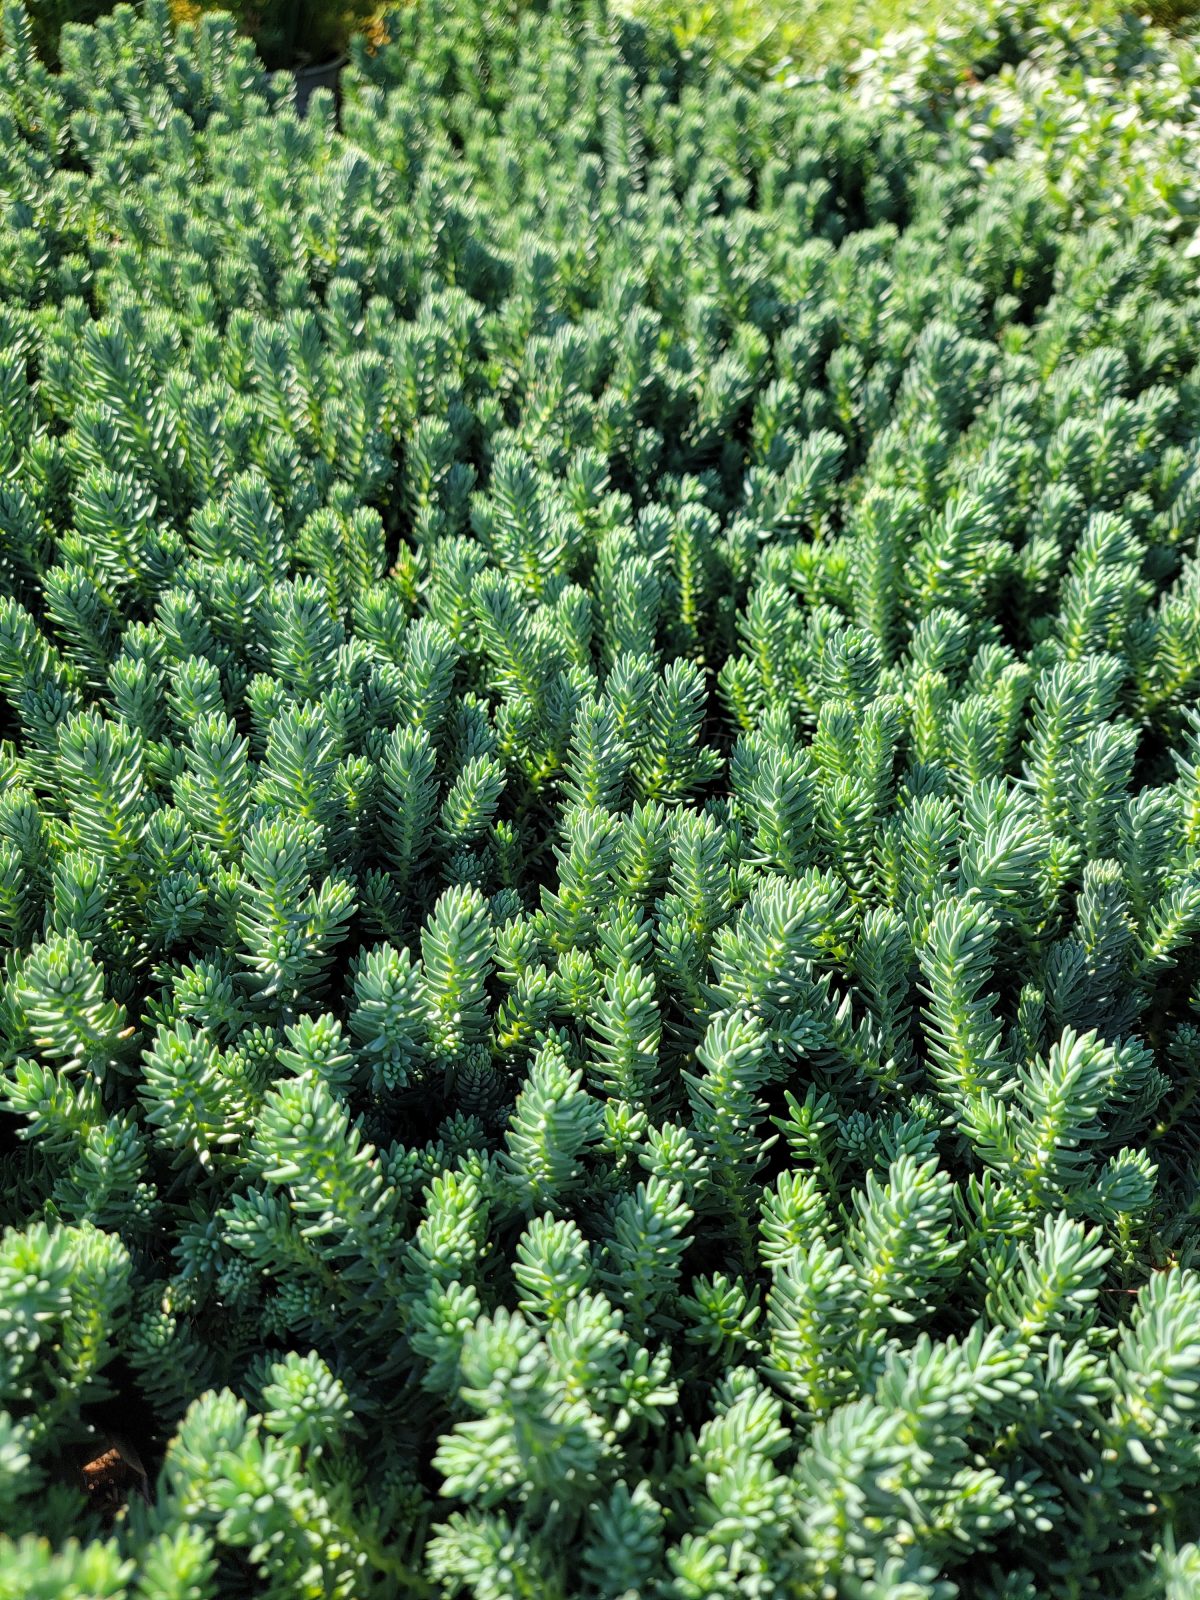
(323, 66)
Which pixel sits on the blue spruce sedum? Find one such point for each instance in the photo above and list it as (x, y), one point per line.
(599, 837)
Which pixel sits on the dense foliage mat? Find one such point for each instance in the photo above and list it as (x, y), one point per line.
(600, 838)
(1104, 108)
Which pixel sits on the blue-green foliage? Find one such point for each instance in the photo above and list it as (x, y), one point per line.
(599, 838)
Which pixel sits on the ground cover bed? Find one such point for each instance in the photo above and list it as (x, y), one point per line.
(599, 838)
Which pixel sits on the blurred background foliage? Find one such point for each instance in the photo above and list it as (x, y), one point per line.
(1102, 99)
(765, 34)
(760, 35)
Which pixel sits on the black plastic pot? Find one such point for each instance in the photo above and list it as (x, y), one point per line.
(322, 76)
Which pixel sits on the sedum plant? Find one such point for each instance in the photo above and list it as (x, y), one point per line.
(600, 836)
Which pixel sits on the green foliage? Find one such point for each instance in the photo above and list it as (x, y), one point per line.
(1100, 98)
(600, 836)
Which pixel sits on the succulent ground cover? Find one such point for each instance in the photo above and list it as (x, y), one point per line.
(600, 837)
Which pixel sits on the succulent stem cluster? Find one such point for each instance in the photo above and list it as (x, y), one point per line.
(599, 836)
